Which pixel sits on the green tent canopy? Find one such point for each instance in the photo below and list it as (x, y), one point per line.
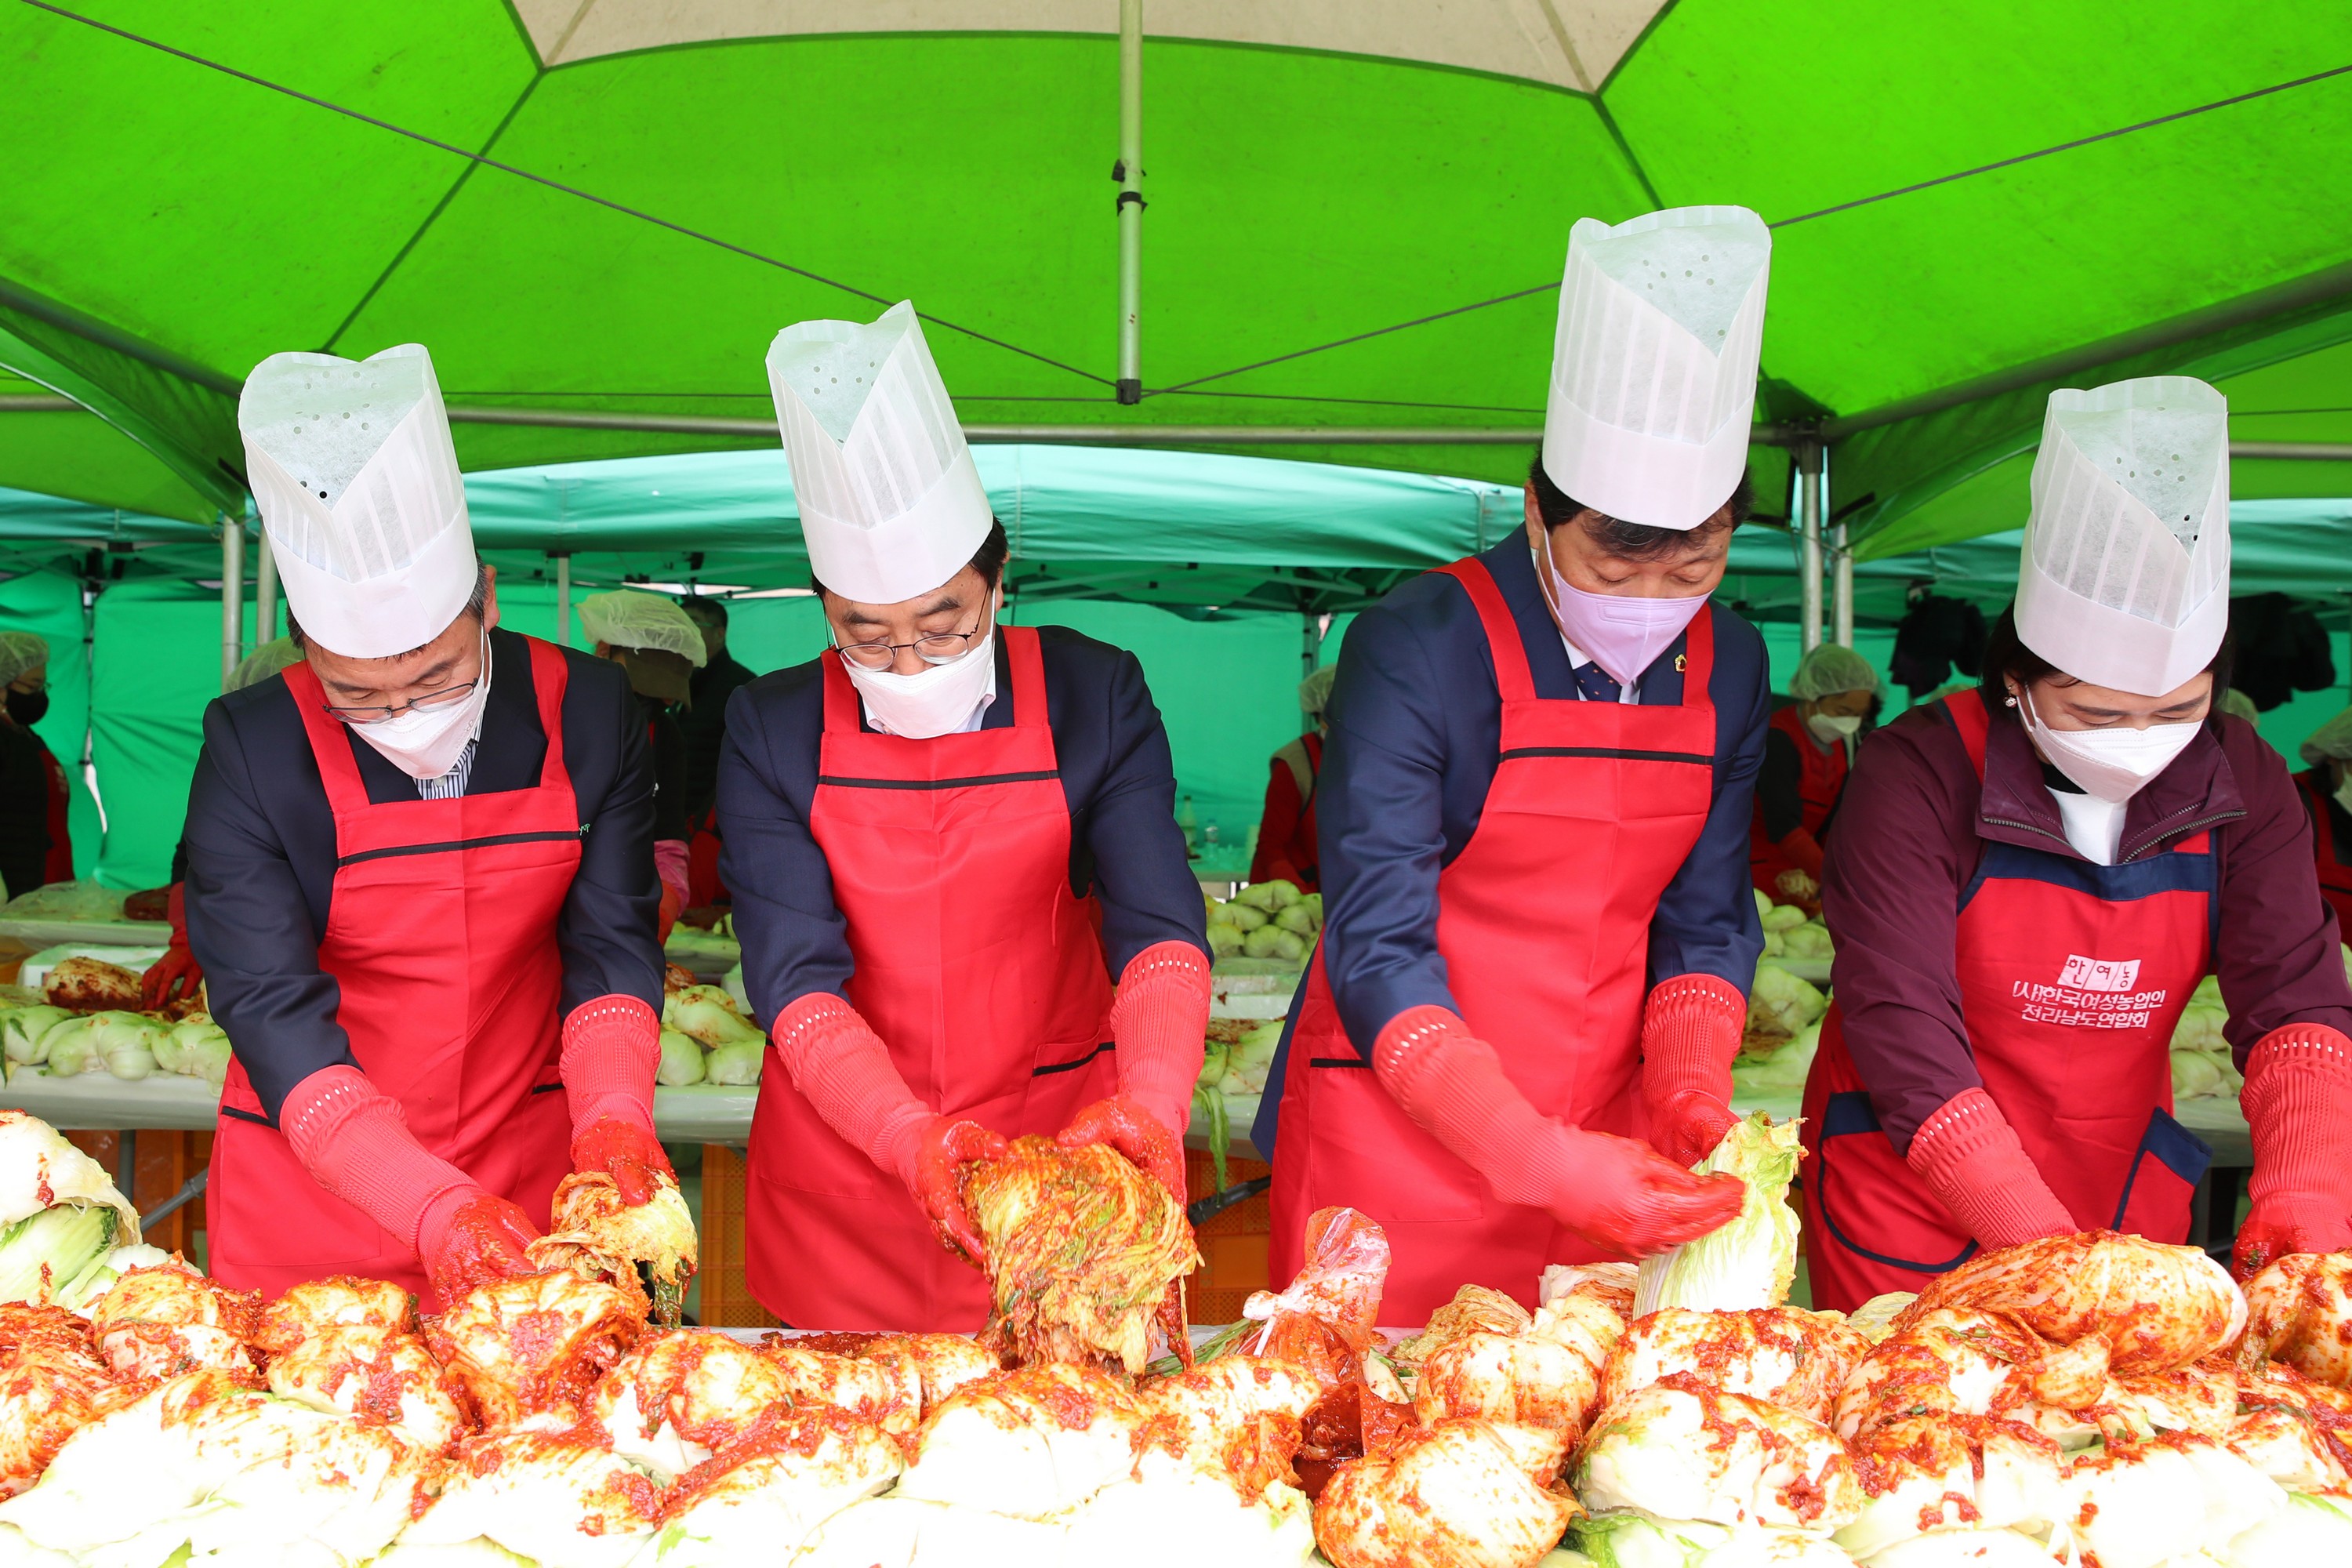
(597, 215)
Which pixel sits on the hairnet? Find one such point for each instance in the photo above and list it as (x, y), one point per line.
(1316, 689)
(2237, 702)
(1829, 670)
(625, 619)
(2331, 742)
(264, 662)
(21, 651)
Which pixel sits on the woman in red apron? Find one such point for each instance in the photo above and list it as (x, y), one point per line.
(2027, 882)
(1286, 828)
(2328, 756)
(1806, 757)
(943, 836)
(420, 879)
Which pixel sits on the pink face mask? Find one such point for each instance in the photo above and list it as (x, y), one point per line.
(1622, 635)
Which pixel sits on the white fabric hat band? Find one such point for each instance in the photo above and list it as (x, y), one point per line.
(384, 615)
(1653, 480)
(2108, 646)
(910, 553)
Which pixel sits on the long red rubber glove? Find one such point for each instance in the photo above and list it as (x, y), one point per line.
(176, 973)
(2298, 1105)
(612, 1046)
(1690, 1033)
(351, 1138)
(670, 862)
(1160, 1024)
(837, 1060)
(1969, 1157)
(1803, 850)
(1616, 1192)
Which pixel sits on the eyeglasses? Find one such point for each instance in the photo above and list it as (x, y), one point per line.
(934, 648)
(440, 698)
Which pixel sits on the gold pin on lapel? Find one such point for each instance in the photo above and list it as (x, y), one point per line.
(1681, 662)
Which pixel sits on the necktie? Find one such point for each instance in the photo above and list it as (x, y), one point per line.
(1593, 684)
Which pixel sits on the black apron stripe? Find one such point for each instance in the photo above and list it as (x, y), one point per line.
(1337, 1062)
(937, 784)
(455, 844)
(1701, 757)
(257, 1119)
(1054, 1067)
(546, 1087)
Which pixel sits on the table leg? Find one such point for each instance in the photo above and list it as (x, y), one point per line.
(726, 1301)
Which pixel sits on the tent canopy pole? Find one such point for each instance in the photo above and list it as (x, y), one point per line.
(1809, 496)
(232, 595)
(1128, 172)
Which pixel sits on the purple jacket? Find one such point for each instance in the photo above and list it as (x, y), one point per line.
(1914, 822)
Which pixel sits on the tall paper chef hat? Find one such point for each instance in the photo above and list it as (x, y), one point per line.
(1653, 369)
(891, 503)
(2125, 578)
(360, 496)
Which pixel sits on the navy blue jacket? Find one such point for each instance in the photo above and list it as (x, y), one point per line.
(260, 845)
(1415, 730)
(1110, 749)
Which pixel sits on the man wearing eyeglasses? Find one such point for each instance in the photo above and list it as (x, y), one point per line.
(421, 880)
(944, 836)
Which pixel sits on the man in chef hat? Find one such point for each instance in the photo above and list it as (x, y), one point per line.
(1517, 1034)
(2028, 882)
(944, 836)
(420, 874)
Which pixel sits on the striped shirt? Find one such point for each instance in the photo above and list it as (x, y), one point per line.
(454, 781)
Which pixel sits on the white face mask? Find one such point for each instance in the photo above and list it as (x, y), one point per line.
(1830, 727)
(2111, 764)
(931, 703)
(426, 743)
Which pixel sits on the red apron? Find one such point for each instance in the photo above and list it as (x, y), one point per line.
(703, 887)
(1820, 779)
(2071, 978)
(1543, 920)
(2335, 875)
(58, 867)
(977, 965)
(441, 938)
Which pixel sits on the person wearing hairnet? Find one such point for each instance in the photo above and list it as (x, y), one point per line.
(176, 977)
(420, 875)
(1286, 829)
(2028, 880)
(2327, 786)
(1516, 1035)
(36, 847)
(652, 639)
(1807, 752)
(945, 836)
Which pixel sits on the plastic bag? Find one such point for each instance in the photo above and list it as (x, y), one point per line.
(1327, 1320)
(83, 900)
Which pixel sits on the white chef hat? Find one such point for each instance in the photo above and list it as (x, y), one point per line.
(1653, 369)
(890, 502)
(352, 464)
(2125, 577)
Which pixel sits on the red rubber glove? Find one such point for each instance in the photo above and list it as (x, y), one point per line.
(469, 1238)
(930, 1159)
(670, 864)
(176, 973)
(837, 1060)
(1803, 850)
(351, 1138)
(1613, 1192)
(2298, 1106)
(1969, 1157)
(1124, 1125)
(611, 1046)
(1160, 1025)
(1690, 1033)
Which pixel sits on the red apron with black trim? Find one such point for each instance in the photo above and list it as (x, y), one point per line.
(2071, 976)
(980, 967)
(1543, 920)
(441, 940)
(58, 865)
(2335, 875)
(1820, 779)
